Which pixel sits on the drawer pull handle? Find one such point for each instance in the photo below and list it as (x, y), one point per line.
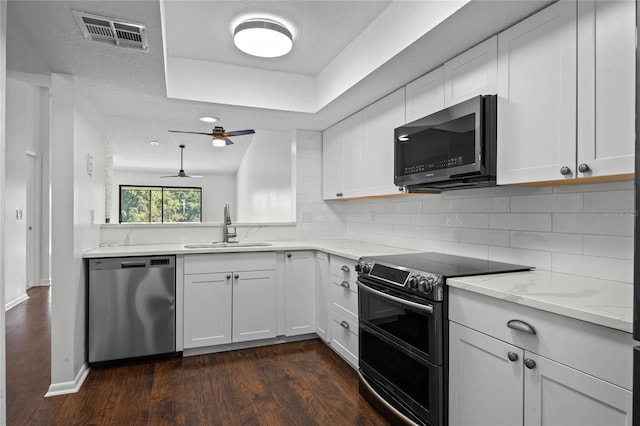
(228, 276)
(345, 284)
(236, 276)
(529, 363)
(345, 268)
(344, 324)
(521, 326)
(513, 357)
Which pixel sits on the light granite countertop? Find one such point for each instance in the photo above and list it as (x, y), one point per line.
(602, 302)
(345, 248)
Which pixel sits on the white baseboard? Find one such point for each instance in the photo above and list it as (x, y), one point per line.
(43, 282)
(64, 388)
(15, 302)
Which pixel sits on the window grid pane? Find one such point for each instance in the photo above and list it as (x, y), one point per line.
(145, 204)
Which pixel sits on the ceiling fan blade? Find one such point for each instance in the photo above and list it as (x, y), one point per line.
(170, 176)
(239, 132)
(228, 141)
(194, 176)
(193, 133)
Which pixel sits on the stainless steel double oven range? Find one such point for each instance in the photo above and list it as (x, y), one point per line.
(403, 331)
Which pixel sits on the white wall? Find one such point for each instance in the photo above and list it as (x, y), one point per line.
(265, 179)
(3, 67)
(78, 129)
(27, 109)
(216, 191)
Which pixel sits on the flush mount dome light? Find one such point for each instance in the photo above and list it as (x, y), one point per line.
(208, 119)
(263, 38)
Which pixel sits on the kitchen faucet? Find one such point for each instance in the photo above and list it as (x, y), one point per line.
(225, 228)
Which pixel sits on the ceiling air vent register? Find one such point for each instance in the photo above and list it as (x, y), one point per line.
(113, 31)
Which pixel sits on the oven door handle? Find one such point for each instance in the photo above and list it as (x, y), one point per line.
(425, 308)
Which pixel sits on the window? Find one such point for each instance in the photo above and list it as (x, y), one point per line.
(160, 204)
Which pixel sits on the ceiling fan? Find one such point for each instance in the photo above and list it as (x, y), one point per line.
(181, 173)
(219, 135)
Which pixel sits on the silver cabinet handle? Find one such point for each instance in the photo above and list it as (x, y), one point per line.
(345, 284)
(288, 254)
(513, 357)
(521, 326)
(529, 363)
(565, 171)
(425, 308)
(345, 268)
(339, 194)
(236, 276)
(228, 276)
(344, 324)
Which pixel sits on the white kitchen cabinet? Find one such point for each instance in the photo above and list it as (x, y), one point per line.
(343, 296)
(207, 309)
(358, 152)
(537, 96)
(606, 87)
(229, 297)
(568, 373)
(425, 95)
(322, 295)
(472, 73)
(300, 289)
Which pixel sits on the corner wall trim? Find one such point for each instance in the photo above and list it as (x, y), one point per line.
(15, 302)
(65, 388)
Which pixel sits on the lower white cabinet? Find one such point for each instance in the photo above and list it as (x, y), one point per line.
(300, 288)
(226, 301)
(343, 311)
(506, 376)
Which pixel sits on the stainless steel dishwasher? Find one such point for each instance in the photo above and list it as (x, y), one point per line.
(131, 307)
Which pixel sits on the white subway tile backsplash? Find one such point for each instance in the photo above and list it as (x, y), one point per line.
(467, 220)
(484, 205)
(593, 223)
(491, 237)
(463, 249)
(533, 258)
(439, 233)
(427, 219)
(408, 207)
(592, 266)
(520, 221)
(610, 202)
(437, 204)
(545, 203)
(546, 241)
(595, 187)
(607, 246)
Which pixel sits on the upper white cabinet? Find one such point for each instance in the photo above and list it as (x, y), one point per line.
(472, 73)
(567, 112)
(300, 288)
(537, 96)
(606, 87)
(425, 95)
(358, 152)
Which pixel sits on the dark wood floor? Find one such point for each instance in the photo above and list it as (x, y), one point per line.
(303, 383)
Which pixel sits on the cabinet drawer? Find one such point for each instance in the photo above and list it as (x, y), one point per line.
(600, 351)
(343, 268)
(344, 340)
(229, 262)
(346, 298)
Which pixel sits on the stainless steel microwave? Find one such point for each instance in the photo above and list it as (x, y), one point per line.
(450, 149)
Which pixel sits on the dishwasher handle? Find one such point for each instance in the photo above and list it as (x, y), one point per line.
(133, 264)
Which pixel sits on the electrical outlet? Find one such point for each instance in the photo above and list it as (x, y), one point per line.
(19, 214)
(373, 217)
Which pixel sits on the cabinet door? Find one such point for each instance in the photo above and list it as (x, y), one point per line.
(485, 386)
(254, 305)
(332, 162)
(425, 95)
(606, 86)
(207, 309)
(353, 142)
(472, 73)
(322, 295)
(300, 282)
(537, 96)
(380, 120)
(559, 395)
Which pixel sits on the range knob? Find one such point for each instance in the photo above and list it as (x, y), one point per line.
(412, 282)
(362, 268)
(425, 285)
(358, 267)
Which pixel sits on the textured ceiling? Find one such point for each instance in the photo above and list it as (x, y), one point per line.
(130, 86)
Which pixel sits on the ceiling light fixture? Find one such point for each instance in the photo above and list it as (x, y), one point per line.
(219, 142)
(263, 38)
(154, 143)
(208, 119)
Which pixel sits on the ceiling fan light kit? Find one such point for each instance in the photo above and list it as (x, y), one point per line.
(263, 38)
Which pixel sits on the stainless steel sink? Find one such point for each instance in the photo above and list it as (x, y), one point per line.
(223, 245)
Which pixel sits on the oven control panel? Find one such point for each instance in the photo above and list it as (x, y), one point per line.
(417, 282)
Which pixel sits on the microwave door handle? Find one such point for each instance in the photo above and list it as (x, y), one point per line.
(425, 308)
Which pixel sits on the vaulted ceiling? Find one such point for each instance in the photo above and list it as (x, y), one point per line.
(346, 55)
